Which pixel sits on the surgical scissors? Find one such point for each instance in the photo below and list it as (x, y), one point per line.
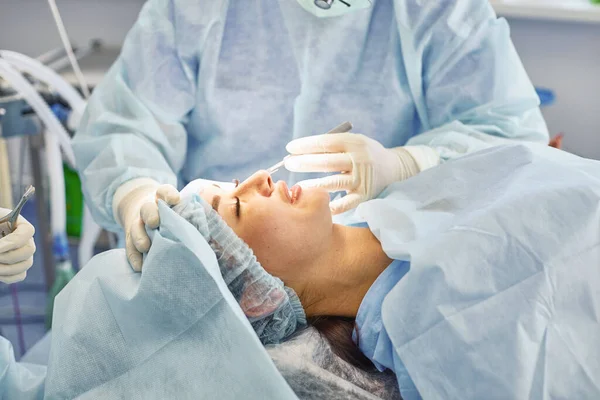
(342, 128)
(8, 223)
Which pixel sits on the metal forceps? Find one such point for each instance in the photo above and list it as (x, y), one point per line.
(342, 128)
(8, 223)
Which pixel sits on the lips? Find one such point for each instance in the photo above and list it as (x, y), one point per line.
(296, 191)
(292, 194)
(283, 189)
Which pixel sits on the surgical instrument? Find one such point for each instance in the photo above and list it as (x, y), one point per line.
(326, 4)
(8, 223)
(342, 128)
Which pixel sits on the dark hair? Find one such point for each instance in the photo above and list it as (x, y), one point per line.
(337, 331)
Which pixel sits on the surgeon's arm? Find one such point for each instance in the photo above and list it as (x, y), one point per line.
(470, 88)
(134, 125)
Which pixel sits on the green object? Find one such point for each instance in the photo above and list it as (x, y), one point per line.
(64, 273)
(595, 1)
(74, 199)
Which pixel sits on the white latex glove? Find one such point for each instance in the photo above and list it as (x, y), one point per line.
(366, 166)
(135, 206)
(16, 251)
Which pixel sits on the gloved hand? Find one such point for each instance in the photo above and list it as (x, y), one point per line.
(366, 166)
(16, 251)
(138, 208)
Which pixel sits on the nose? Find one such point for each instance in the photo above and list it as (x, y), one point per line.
(259, 182)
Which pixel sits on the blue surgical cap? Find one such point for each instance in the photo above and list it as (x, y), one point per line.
(273, 309)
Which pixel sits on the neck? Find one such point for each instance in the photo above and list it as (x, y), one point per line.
(338, 280)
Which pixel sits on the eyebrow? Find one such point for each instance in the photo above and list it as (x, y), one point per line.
(215, 202)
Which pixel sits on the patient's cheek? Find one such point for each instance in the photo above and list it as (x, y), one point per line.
(267, 230)
(270, 246)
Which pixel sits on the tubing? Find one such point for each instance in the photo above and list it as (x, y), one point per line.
(47, 75)
(58, 201)
(6, 198)
(23, 87)
(91, 230)
(62, 31)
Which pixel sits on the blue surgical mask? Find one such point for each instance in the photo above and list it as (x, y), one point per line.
(336, 7)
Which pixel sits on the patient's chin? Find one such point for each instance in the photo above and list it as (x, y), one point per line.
(316, 198)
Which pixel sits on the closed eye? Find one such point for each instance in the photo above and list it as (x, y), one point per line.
(237, 200)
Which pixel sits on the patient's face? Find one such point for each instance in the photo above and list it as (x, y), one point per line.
(283, 230)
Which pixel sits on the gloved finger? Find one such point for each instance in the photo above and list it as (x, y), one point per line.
(327, 143)
(133, 255)
(18, 255)
(18, 238)
(149, 215)
(348, 202)
(139, 237)
(7, 270)
(168, 194)
(336, 162)
(13, 278)
(333, 183)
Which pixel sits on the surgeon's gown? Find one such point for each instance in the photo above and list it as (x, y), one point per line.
(216, 89)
